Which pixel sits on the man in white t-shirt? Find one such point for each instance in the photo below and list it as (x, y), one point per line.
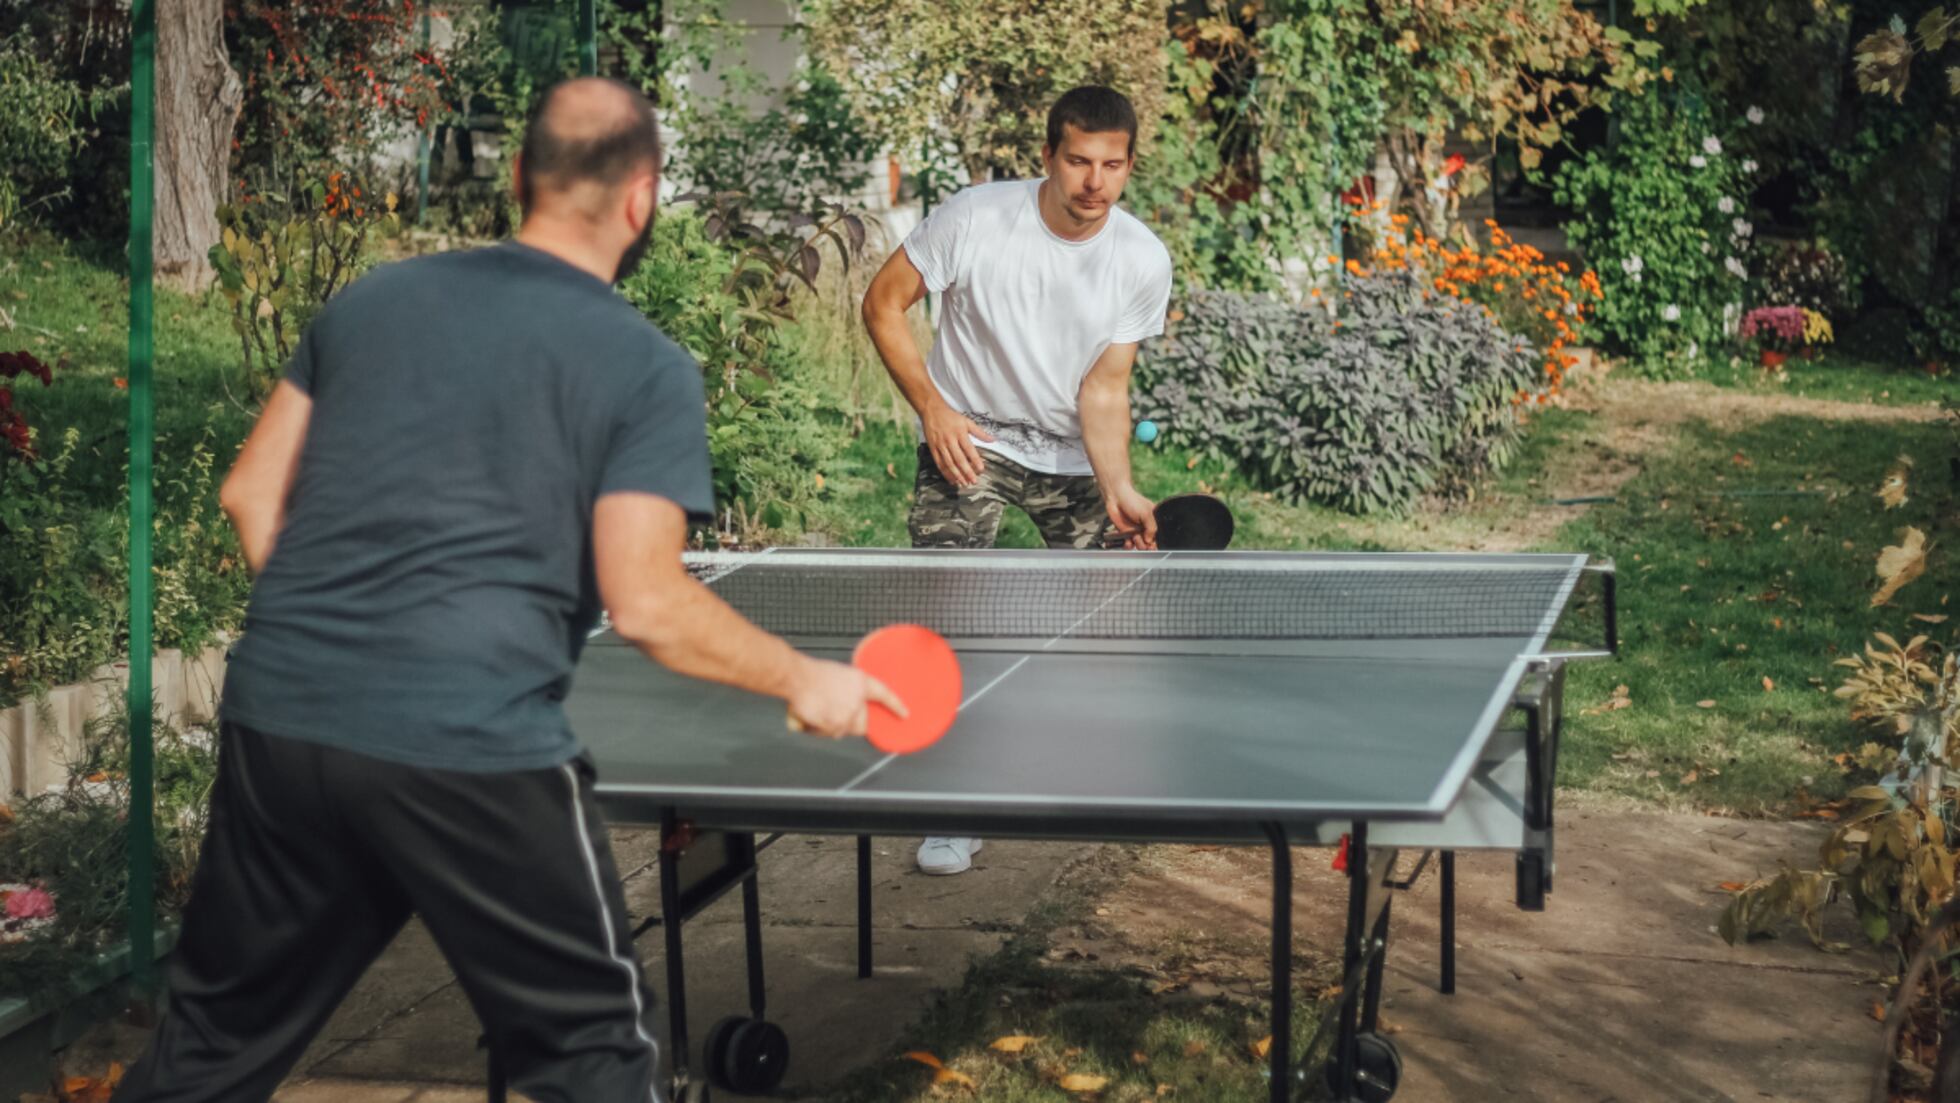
(1025, 401)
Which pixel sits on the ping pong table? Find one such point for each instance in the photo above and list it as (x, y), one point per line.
(1381, 701)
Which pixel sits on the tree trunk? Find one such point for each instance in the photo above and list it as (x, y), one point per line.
(198, 97)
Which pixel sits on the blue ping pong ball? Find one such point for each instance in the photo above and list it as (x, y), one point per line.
(1146, 431)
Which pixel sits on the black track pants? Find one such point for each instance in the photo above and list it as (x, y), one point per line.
(314, 859)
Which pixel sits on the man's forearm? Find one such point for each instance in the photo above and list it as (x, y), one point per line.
(257, 528)
(1105, 413)
(893, 340)
(686, 628)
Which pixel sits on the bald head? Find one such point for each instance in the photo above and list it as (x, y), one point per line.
(586, 138)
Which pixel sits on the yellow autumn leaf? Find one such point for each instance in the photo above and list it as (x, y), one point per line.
(1893, 490)
(1768, 685)
(1900, 563)
(819, 480)
(924, 1058)
(950, 1076)
(1012, 1043)
(1082, 1082)
(1262, 1047)
(1705, 703)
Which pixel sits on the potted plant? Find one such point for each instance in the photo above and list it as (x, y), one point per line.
(1816, 331)
(1776, 330)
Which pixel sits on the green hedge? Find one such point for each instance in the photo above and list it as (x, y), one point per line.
(1406, 392)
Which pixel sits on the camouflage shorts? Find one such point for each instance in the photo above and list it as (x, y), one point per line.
(1067, 509)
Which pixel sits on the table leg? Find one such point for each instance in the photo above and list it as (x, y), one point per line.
(1448, 878)
(670, 912)
(864, 906)
(752, 935)
(1279, 1068)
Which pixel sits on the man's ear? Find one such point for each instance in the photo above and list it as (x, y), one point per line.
(642, 201)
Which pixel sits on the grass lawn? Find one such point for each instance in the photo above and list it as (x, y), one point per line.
(72, 313)
(1842, 377)
(1734, 603)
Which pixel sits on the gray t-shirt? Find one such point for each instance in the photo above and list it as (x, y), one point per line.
(432, 586)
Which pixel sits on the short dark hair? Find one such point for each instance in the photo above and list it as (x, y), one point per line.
(557, 159)
(1092, 109)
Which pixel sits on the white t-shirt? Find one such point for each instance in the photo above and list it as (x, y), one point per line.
(1026, 312)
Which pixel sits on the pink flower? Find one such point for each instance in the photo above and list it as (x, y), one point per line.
(30, 904)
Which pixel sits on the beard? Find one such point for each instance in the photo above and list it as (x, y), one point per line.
(629, 261)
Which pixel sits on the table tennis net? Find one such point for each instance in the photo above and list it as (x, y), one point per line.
(1107, 596)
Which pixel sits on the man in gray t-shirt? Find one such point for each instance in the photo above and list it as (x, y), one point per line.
(470, 456)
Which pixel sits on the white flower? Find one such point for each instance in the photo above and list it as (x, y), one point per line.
(1749, 166)
(1632, 265)
(1743, 229)
(1711, 145)
(1671, 313)
(1725, 205)
(1731, 318)
(1756, 116)
(1698, 161)
(1707, 248)
(1735, 268)
(1694, 349)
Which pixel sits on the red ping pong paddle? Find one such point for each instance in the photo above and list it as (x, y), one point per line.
(919, 665)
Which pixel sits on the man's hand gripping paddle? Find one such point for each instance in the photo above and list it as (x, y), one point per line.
(919, 666)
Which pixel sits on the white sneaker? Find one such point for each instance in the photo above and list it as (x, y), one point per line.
(943, 857)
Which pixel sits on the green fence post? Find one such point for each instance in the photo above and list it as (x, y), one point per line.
(142, 192)
(588, 38)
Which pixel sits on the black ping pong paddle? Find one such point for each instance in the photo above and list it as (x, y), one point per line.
(1193, 522)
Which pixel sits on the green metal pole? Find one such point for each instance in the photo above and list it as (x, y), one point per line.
(142, 191)
(588, 38)
(422, 147)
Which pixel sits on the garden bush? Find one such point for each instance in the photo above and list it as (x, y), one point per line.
(1662, 216)
(64, 560)
(64, 854)
(1405, 392)
(42, 124)
(769, 429)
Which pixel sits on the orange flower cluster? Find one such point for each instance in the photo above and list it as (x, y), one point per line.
(343, 198)
(1511, 282)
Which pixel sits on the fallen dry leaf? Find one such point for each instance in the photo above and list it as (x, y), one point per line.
(1705, 703)
(924, 1058)
(1013, 1043)
(891, 470)
(1138, 1057)
(1619, 700)
(1191, 464)
(1082, 1082)
(1893, 490)
(1193, 1047)
(1690, 777)
(1930, 618)
(819, 480)
(1878, 1011)
(1733, 886)
(1768, 685)
(1262, 1047)
(1900, 563)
